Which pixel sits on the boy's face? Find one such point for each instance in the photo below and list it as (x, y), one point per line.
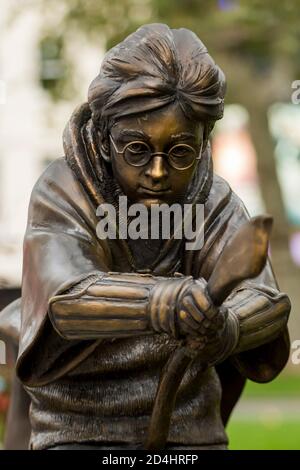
(161, 179)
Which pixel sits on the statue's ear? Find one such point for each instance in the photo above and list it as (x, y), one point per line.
(104, 147)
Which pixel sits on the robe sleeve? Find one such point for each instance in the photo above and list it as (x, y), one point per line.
(261, 309)
(60, 251)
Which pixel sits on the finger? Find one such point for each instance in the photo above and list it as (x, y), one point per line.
(190, 305)
(189, 323)
(202, 300)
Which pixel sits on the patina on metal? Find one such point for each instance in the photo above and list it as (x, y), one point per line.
(113, 328)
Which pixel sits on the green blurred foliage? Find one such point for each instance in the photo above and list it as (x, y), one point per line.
(259, 33)
(261, 29)
(257, 29)
(264, 435)
(285, 385)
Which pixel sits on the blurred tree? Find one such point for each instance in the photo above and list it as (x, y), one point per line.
(52, 66)
(256, 42)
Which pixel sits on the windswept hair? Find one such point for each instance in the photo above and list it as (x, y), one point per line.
(155, 66)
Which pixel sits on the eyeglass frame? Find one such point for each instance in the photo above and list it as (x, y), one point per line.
(122, 152)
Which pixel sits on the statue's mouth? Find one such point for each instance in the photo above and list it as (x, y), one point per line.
(155, 192)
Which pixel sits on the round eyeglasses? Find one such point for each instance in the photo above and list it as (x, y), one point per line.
(138, 153)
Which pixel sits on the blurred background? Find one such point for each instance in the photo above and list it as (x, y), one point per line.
(50, 52)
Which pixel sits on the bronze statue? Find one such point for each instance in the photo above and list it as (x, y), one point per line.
(117, 330)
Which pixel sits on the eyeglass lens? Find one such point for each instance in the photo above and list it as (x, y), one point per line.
(180, 156)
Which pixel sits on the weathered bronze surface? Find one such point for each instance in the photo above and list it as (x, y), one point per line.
(113, 330)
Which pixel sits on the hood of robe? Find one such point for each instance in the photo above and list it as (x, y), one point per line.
(84, 158)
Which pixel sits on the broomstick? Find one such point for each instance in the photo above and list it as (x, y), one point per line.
(243, 257)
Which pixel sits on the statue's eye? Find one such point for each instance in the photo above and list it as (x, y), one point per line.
(181, 151)
(137, 153)
(138, 147)
(182, 156)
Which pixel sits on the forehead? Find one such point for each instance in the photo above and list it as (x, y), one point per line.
(162, 124)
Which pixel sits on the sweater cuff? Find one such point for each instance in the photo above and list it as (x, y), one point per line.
(231, 336)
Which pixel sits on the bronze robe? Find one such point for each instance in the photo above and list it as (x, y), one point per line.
(102, 390)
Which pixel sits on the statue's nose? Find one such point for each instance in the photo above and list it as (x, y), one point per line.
(157, 169)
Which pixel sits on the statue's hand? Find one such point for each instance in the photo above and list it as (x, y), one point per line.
(212, 331)
(196, 314)
(204, 325)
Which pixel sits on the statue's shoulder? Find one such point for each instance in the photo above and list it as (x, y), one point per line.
(59, 190)
(223, 201)
(57, 172)
(220, 186)
(220, 194)
(58, 176)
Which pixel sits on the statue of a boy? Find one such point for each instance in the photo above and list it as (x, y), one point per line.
(101, 317)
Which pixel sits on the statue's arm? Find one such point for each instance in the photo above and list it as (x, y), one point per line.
(257, 312)
(117, 305)
(261, 312)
